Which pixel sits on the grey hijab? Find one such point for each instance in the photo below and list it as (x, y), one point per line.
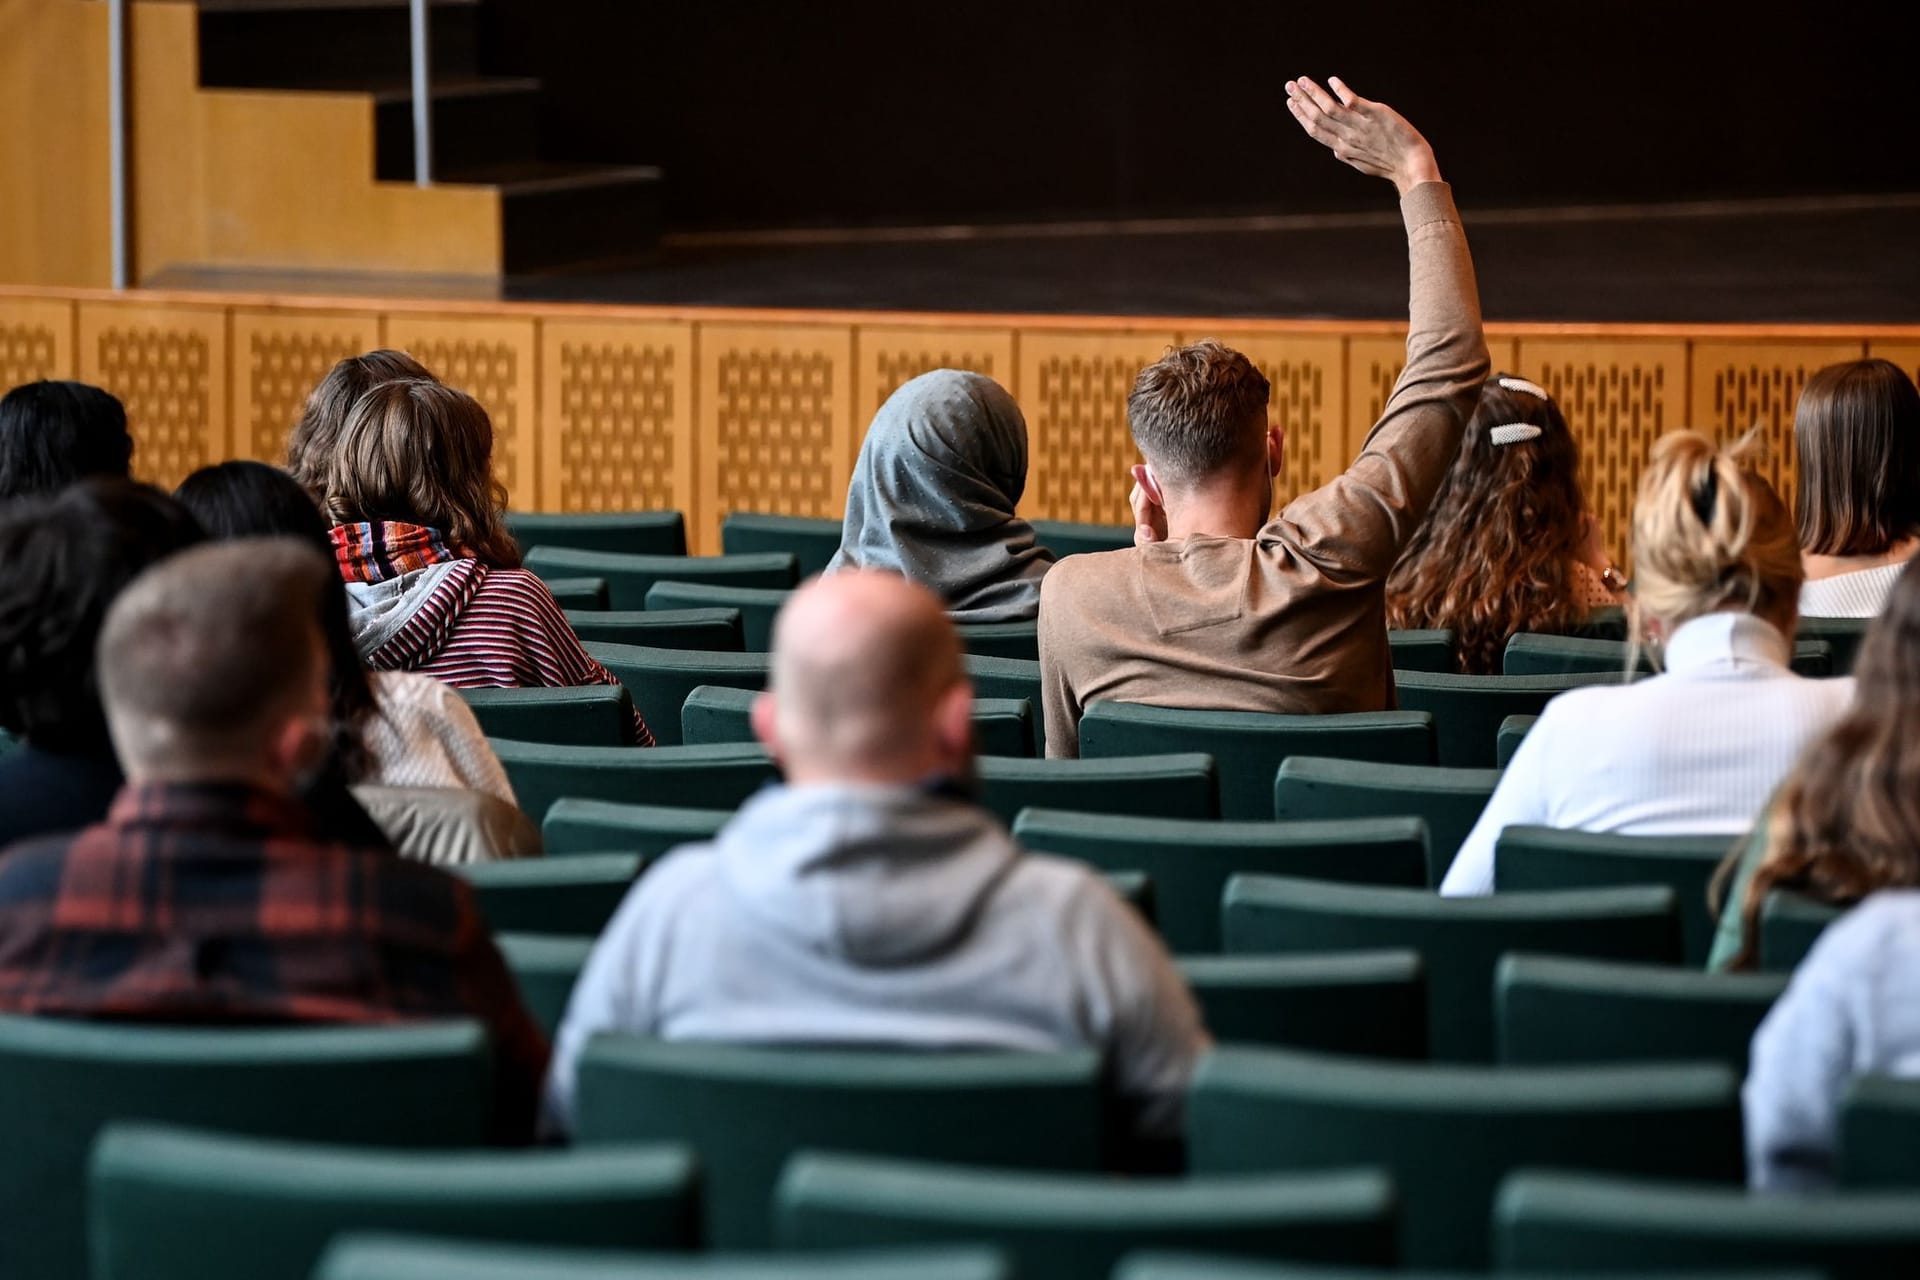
(932, 498)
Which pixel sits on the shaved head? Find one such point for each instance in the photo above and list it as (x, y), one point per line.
(866, 674)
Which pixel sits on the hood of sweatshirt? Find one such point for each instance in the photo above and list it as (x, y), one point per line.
(874, 875)
(401, 623)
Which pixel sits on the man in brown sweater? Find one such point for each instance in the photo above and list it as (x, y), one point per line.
(1218, 607)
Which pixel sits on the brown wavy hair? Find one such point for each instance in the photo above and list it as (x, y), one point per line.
(421, 452)
(316, 436)
(1847, 821)
(1496, 553)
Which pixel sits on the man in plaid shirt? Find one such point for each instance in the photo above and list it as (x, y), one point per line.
(203, 898)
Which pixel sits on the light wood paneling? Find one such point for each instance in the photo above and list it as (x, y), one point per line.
(775, 422)
(1373, 366)
(1309, 400)
(496, 362)
(886, 357)
(1746, 383)
(278, 356)
(168, 364)
(1073, 387)
(616, 416)
(36, 341)
(54, 207)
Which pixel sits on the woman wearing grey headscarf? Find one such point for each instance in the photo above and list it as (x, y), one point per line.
(933, 498)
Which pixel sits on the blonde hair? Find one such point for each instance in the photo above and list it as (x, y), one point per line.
(1710, 535)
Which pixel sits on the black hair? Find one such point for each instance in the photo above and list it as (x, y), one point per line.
(54, 433)
(63, 559)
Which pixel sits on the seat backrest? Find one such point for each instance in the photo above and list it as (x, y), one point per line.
(1461, 939)
(629, 577)
(745, 1110)
(1842, 635)
(1550, 1009)
(419, 1085)
(576, 895)
(179, 1204)
(1449, 800)
(712, 630)
(1191, 861)
(360, 1256)
(1149, 1265)
(1467, 710)
(1449, 1134)
(578, 594)
(592, 715)
(634, 533)
(812, 543)
(1789, 926)
(601, 826)
(1529, 654)
(661, 679)
(1016, 640)
(1068, 1227)
(1004, 678)
(1880, 1133)
(1366, 1003)
(758, 606)
(1513, 732)
(1570, 1222)
(545, 966)
(1170, 786)
(697, 777)
(1431, 650)
(714, 714)
(1545, 858)
(1248, 746)
(1071, 538)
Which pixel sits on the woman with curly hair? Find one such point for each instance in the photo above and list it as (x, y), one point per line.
(1509, 545)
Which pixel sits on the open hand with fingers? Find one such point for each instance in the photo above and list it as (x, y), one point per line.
(1370, 136)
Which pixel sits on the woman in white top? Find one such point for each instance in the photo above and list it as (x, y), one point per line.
(1857, 432)
(1700, 748)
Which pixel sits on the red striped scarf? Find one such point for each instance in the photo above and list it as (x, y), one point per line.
(379, 550)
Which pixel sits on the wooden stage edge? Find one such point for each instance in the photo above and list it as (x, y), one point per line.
(711, 410)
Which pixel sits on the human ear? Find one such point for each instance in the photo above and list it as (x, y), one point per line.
(765, 716)
(953, 727)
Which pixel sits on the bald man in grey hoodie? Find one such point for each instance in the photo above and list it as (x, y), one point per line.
(867, 901)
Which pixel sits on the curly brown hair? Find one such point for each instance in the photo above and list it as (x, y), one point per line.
(1847, 821)
(316, 436)
(1496, 553)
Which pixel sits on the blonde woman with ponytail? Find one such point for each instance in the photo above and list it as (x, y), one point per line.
(1699, 748)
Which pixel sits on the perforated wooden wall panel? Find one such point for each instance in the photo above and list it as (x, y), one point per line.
(1742, 384)
(278, 356)
(1373, 366)
(616, 416)
(36, 341)
(168, 365)
(1073, 387)
(887, 356)
(495, 362)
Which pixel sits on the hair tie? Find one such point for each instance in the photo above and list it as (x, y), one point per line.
(1513, 433)
(1521, 384)
(1705, 494)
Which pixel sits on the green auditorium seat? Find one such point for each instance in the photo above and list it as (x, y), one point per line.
(661, 679)
(1461, 939)
(1177, 1266)
(381, 1257)
(1017, 640)
(1553, 1010)
(1567, 1222)
(1449, 1134)
(629, 578)
(697, 777)
(633, 533)
(578, 594)
(1422, 650)
(1367, 1003)
(1076, 1226)
(1191, 861)
(1789, 926)
(1170, 786)
(1842, 635)
(545, 966)
(420, 1085)
(176, 1204)
(1513, 732)
(575, 895)
(1880, 1133)
(601, 826)
(1529, 654)
(758, 606)
(1608, 622)
(1069, 538)
(1136, 889)
(813, 543)
(1450, 800)
(745, 1110)
(1005, 678)
(1467, 710)
(1545, 858)
(1249, 746)
(714, 630)
(1001, 726)
(592, 715)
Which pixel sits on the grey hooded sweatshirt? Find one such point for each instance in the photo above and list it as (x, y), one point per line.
(851, 915)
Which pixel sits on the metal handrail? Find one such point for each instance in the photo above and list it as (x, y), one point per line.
(422, 104)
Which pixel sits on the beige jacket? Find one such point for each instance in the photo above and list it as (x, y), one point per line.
(1294, 619)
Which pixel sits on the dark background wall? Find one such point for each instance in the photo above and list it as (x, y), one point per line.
(850, 112)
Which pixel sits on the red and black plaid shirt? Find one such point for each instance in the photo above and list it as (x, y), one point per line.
(212, 903)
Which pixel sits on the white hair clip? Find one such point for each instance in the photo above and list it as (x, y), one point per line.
(1513, 433)
(1521, 384)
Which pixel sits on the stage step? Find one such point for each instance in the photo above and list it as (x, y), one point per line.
(572, 215)
(332, 44)
(476, 123)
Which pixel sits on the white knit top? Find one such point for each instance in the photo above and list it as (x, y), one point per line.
(1696, 751)
(425, 735)
(1860, 594)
